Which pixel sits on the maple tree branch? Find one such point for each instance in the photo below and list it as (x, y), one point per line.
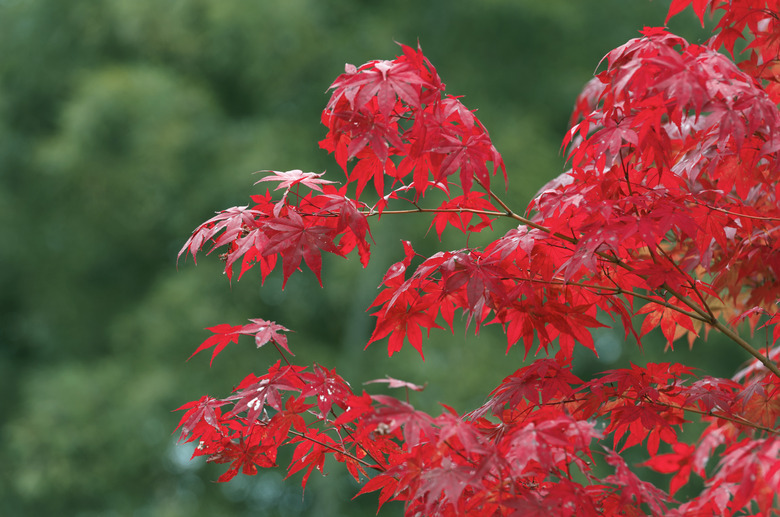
(647, 298)
(708, 317)
(497, 199)
(437, 211)
(625, 173)
(379, 465)
(728, 331)
(693, 286)
(459, 453)
(514, 215)
(663, 303)
(715, 323)
(336, 449)
(620, 291)
(737, 214)
(508, 213)
(284, 357)
(735, 419)
(705, 316)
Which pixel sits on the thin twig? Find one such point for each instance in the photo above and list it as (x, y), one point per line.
(336, 449)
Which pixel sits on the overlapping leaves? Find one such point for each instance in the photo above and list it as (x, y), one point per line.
(667, 219)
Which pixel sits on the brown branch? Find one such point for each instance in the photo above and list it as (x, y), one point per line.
(436, 211)
(336, 449)
(735, 419)
(737, 214)
(379, 466)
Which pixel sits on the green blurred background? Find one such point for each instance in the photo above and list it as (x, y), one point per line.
(126, 123)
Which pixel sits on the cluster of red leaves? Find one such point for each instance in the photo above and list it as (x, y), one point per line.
(668, 214)
(296, 231)
(398, 109)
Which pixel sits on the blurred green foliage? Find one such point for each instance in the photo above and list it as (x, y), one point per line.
(126, 123)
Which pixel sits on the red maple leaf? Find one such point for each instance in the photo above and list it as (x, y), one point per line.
(395, 414)
(401, 321)
(351, 218)
(328, 387)
(469, 154)
(296, 239)
(224, 334)
(678, 462)
(310, 453)
(673, 322)
(247, 454)
(459, 212)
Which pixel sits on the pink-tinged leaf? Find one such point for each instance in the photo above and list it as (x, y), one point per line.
(233, 221)
(382, 79)
(394, 413)
(254, 393)
(224, 334)
(395, 273)
(395, 383)
(205, 410)
(265, 332)
(289, 179)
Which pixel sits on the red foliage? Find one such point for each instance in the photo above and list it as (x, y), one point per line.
(668, 214)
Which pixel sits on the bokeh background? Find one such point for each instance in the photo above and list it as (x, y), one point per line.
(126, 123)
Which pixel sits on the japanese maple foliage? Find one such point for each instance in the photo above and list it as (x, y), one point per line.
(667, 218)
